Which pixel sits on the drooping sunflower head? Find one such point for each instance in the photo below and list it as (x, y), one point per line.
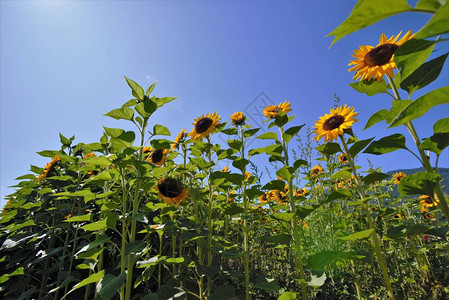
(271, 111)
(397, 177)
(332, 125)
(301, 192)
(315, 171)
(238, 118)
(374, 62)
(49, 167)
(343, 158)
(179, 139)
(171, 191)
(204, 126)
(157, 157)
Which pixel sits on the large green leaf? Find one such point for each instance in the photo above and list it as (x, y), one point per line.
(124, 113)
(377, 117)
(268, 136)
(146, 108)
(267, 284)
(292, 131)
(438, 24)
(396, 108)
(368, 12)
(223, 292)
(387, 144)
(370, 87)
(108, 286)
(429, 4)
(421, 105)
(137, 90)
(424, 75)
(359, 146)
(329, 148)
(441, 126)
(411, 55)
(373, 177)
(160, 130)
(436, 143)
(96, 277)
(357, 235)
(406, 230)
(288, 296)
(421, 183)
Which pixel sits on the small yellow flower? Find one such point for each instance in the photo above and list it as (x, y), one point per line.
(204, 126)
(331, 126)
(271, 111)
(225, 169)
(343, 158)
(247, 176)
(179, 138)
(374, 62)
(315, 171)
(89, 155)
(301, 192)
(238, 118)
(398, 177)
(397, 216)
(427, 202)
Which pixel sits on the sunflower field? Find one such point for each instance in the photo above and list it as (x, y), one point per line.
(142, 215)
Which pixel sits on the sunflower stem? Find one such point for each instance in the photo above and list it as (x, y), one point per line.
(376, 243)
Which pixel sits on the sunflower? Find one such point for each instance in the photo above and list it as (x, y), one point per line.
(171, 191)
(398, 177)
(49, 167)
(225, 169)
(271, 111)
(248, 176)
(374, 62)
(343, 158)
(397, 216)
(332, 125)
(263, 199)
(301, 192)
(426, 202)
(315, 171)
(157, 157)
(204, 125)
(279, 196)
(238, 118)
(179, 138)
(231, 197)
(147, 150)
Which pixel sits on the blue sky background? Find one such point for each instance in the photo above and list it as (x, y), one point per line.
(62, 67)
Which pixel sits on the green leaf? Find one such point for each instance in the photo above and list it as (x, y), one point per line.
(411, 55)
(235, 144)
(283, 216)
(146, 108)
(101, 161)
(65, 141)
(438, 24)
(387, 144)
(370, 87)
(406, 230)
(108, 286)
(366, 13)
(377, 117)
(339, 194)
(396, 107)
(160, 130)
(357, 235)
(429, 4)
(329, 148)
(284, 172)
(421, 183)
(267, 284)
(341, 174)
(424, 75)
(317, 281)
(436, 143)
(82, 218)
(95, 226)
(240, 163)
(421, 105)
(137, 89)
(359, 146)
(124, 113)
(91, 279)
(318, 261)
(441, 126)
(223, 292)
(373, 177)
(274, 185)
(278, 239)
(230, 131)
(281, 119)
(270, 150)
(5, 277)
(250, 132)
(113, 132)
(292, 131)
(164, 100)
(288, 296)
(268, 136)
(150, 89)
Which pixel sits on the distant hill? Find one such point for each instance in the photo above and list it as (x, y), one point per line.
(444, 172)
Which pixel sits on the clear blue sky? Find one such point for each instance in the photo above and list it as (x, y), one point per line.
(62, 67)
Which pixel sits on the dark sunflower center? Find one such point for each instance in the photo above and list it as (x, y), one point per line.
(157, 155)
(333, 122)
(203, 124)
(170, 188)
(380, 55)
(428, 201)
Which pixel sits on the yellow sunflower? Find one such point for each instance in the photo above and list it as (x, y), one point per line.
(225, 169)
(157, 157)
(171, 191)
(343, 158)
(271, 111)
(238, 118)
(333, 125)
(247, 176)
(301, 192)
(315, 171)
(204, 126)
(263, 199)
(89, 155)
(374, 62)
(179, 138)
(397, 216)
(49, 167)
(426, 202)
(398, 177)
